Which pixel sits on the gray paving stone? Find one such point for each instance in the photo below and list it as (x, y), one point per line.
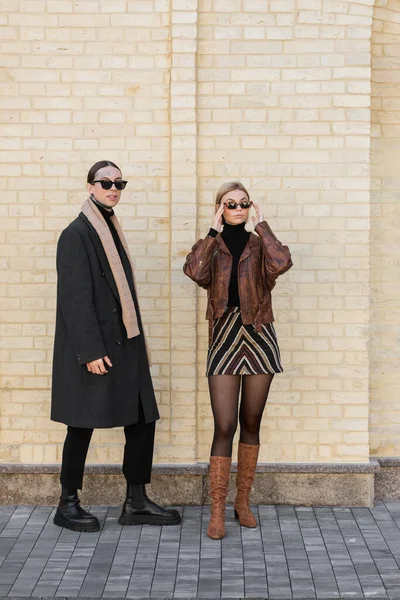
(368, 574)
(232, 570)
(277, 571)
(124, 558)
(255, 577)
(321, 569)
(17, 521)
(145, 561)
(103, 555)
(346, 576)
(69, 562)
(301, 553)
(6, 513)
(167, 562)
(297, 560)
(28, 522)
(40, 554)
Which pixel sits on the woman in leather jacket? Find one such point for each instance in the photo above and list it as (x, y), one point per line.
(239, 270)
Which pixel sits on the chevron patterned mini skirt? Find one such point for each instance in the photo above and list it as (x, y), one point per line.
(238, 349)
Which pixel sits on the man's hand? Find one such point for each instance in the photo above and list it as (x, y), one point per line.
(97, 367)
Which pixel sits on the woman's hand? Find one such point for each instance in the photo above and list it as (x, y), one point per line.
(97, 367)
(217, 223)
(259, 214)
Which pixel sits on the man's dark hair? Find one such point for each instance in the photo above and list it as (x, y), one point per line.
(97, 166)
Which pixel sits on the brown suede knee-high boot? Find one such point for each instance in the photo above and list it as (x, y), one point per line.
(247, 462)
(220, 467)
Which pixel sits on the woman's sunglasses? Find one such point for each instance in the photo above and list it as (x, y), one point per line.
(107, 185)
(234, 205)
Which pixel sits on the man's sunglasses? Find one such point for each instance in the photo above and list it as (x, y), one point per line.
(107, 185)
(234, 205)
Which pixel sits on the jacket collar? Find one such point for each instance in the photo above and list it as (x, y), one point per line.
(253, 241)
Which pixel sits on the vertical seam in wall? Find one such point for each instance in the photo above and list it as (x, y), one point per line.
(196, 312)
(380, 90)
(371, 317)
(370, 312)
(170, 217)
(369, 237)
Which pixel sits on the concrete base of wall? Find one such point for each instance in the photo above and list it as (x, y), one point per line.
(387, 479)
(291, 484)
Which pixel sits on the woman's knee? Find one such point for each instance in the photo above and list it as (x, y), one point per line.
(251, 425)
(226, 430)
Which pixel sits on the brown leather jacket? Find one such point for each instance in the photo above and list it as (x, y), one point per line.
(264, 258)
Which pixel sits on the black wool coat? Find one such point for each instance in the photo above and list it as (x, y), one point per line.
(89, 326)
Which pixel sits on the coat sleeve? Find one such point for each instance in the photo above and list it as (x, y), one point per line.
(276, 257)
(75, 297)
(198, 261)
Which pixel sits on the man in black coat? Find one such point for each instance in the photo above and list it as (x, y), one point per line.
(101, 375)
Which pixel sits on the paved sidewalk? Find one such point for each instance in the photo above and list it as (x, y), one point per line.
(295, 553)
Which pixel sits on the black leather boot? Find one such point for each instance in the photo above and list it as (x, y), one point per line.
(138, 509)
(71, 515)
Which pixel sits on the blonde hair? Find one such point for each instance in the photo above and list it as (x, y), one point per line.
(230, 186)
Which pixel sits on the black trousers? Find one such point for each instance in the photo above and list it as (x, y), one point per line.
(138, 453)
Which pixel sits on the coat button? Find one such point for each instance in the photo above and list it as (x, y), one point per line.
(103, 274)
(114, 311)
(118, 343)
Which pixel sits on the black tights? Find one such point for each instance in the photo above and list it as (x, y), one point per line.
(224, 393)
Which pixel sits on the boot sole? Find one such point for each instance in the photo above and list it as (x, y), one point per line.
(147, 520)
(61, 522)
(216, 537)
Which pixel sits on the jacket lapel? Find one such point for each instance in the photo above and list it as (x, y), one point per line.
(102, 257)
(250, 246)
(221, 244)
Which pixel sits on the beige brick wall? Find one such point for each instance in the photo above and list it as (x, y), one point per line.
(184, 95)
(283, 104)
(81, 81)
(385, 224)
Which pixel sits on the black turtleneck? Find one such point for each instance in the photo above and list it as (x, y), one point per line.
(235, 238)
